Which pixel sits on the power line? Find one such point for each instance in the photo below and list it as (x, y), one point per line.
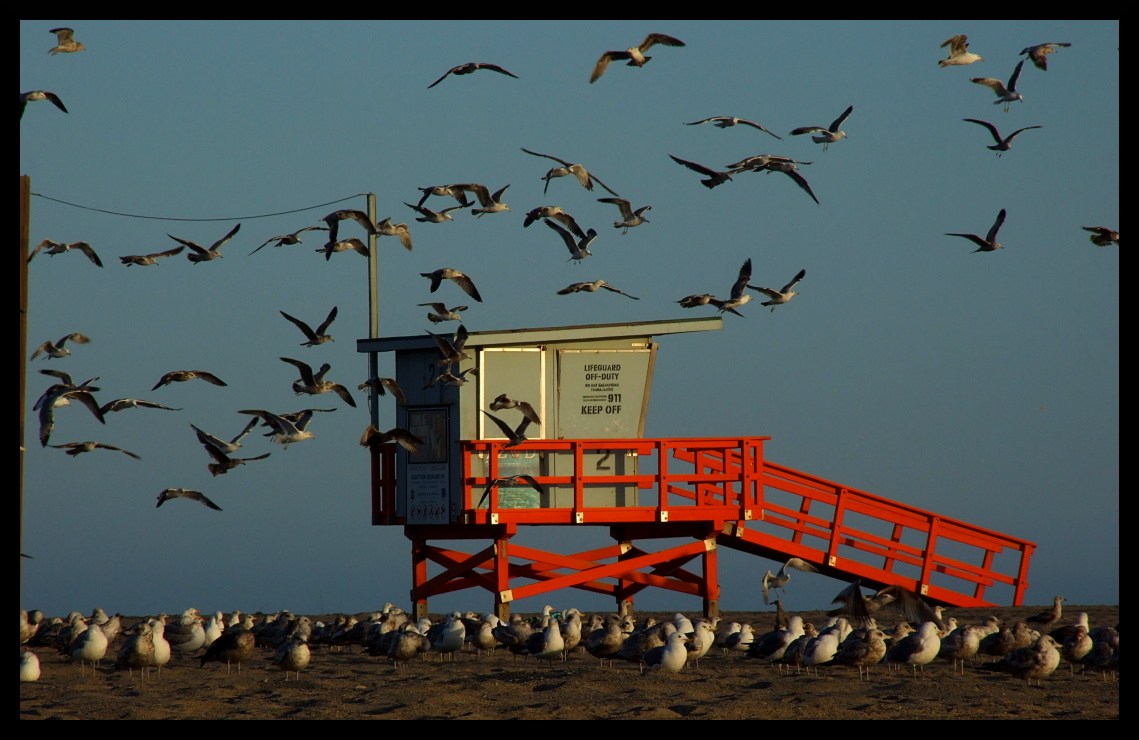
(170, 218)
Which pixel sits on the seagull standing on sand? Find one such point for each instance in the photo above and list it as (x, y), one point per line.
(593, 288)
(314, 337)
(784, 294)
(959, 52)
(989, 243)
(771, 582)
(57, 349)
(66, 43)
(670, 657)
(468, 68)
(40, 95)
(29, 667)
(916, 649)
(726, 121)
(634, 54)
(828, 135)
(293, 655)
(199, 253)
(1039, 53)
(169, 494)
(142, 260)
(54, 248)
(569, 168)
(458, 278)
(1005, 94)
(1048, 617)
(1036, 661)
(1002, 145)
(631, 218)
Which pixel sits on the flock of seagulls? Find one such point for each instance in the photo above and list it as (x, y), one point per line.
(669, 645)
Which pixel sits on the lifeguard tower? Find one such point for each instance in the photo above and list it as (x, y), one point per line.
(590, 385)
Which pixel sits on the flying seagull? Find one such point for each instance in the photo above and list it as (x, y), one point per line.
(490, 203)
(504, 401)
(199, 253)
(693, 301)
(66, 43)
(314, 383)
(458, 192)
(439, 312)
(54, 248)
(556, 213)
(762, 162)
(378, 385)
(57, 350)
(78, 448)
(181, 376)
(989, 243)
(1102, 236)
(468, 68)
(569, 168)
(405, 439)
(738, 295)
(435, 217)
(517, 435)
(169, 494)
(122, 404)
(714, 178)
(958, 52)
(333, 220)
(1005, 94)
(223, 463)
(726, 121)
(286, 432)
(578, 250)
(293, 238)
(1002, 145)
(1039, 53)
(780, 580)
(143, 260)
(510, 480)
(458, 278)
(779, 297)
(351, 243)
(450, 378)
(314, 337)
(452, 350)
(592, 288)
(40, 95)
(221, 445)
(828, 135)
(631, 218)
(387, 228)
(634, 54)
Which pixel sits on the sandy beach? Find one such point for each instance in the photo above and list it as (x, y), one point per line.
(349, 684)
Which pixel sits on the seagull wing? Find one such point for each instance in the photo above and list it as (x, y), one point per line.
(306, 371)
(788, 287)
(695, 167)
(225, 238)
(837, 123)
(1015, 76)
(625, 206)
(992, 235)
(308, 332)
(436, 82)
(86, 249)
(761, 128)
(502, 425)
(603, 63)
(547, 156)
(992, 129)
(659, 38)
(615, 290)
(801, 182)
(327, 322)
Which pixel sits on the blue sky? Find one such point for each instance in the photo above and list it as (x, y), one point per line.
(984, 387)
